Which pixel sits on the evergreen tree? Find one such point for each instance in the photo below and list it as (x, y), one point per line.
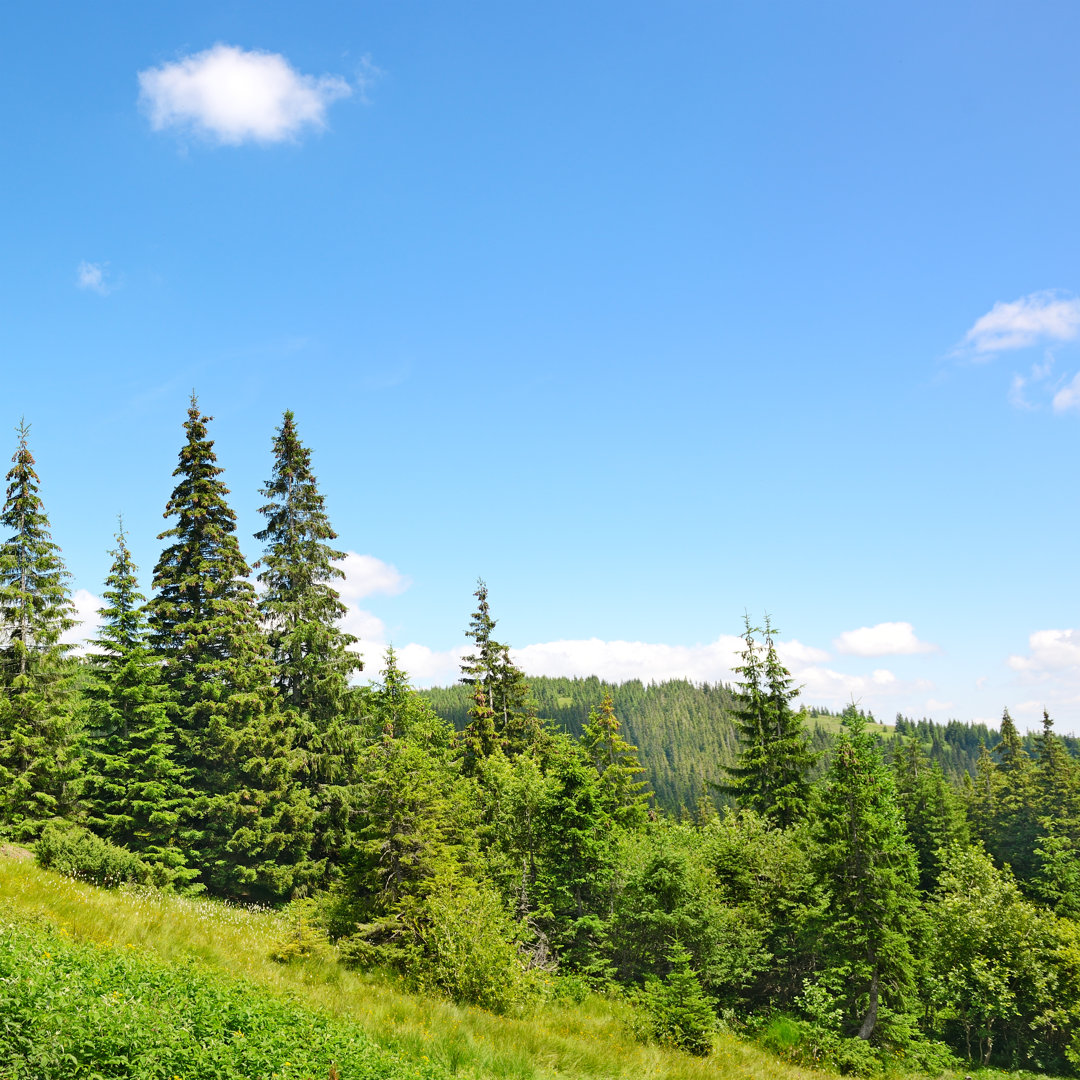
(866, 871)
(253, 822)
(299, 607)
(933, 813)
(300, 610)
(772, 773)
(134, 788)
(38, 763)
(502, 682)
(625, 795)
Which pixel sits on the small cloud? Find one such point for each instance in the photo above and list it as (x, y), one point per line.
(795, 652)
(93, 276)
(884, 639)
(933, 705)
(235, 96)
(87, 621)
(1051, 651)
(1019, 324)
(1068, 397)
(367, 576)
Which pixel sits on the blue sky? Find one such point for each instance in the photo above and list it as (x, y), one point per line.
(648, 314)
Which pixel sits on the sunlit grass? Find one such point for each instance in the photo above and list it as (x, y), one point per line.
(587, 1040)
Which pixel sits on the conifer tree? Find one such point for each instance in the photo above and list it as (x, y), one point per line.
(300, 607)
(300, 610)
(38, 764)
(867, 874)
(503, 684)
(771, 775)
(134, 789)
(252, 819)
(625, 794)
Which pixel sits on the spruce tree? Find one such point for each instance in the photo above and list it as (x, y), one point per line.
(300, 610)
(867, 874)
(38, 764)
(252, 819)
(772, 773)
(625, 794)
(134, 790)
(503, 684)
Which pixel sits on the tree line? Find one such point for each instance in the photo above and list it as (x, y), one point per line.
(846, 902)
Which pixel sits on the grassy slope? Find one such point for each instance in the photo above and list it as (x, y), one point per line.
(584, 1041)
(580, 1041)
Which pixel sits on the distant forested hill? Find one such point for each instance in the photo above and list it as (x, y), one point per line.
(685, 734)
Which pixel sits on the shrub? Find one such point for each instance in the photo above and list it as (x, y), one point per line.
(675, 1011)
(78, 853)
(305, 939)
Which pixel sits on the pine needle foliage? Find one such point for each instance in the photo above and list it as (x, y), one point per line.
(772, 774)
(624, 792)
(253, 822)
(38, 766)
(135, 789)
(312, 660)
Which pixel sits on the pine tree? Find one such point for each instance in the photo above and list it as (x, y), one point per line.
(867, 874)
(134, 789)
(38, 764)
(772, 773)
(503, 684)
(300, 610)
(625, 794)
(253, 821)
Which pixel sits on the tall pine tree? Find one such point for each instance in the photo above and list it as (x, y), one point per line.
(38, 765)
(253, 821)
(300, 611)
(134, 790)
(772, 774)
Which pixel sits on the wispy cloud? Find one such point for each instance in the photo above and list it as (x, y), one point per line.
(233, 96)
(884, 639)
(1018, 324)
(94, 277)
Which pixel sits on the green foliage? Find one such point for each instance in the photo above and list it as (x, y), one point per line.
(38, 763)
(250, 820)
(868, 917)
(134, 789)
(124, 1014)
(75, 852)
(467, 947)
(772, 775)
(312, 660)
(305, 936)
(624, 793)
(675, 1011)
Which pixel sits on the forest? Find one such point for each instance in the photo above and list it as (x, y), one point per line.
(848, 895)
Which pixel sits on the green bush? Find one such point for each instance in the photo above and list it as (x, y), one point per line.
(78, 853)
(305, 938)
(674, 1011)
(469, 948)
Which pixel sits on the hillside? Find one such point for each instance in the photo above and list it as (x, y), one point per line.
(144, 985)
(685, 734)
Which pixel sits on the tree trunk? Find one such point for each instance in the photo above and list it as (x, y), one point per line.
(870, 1019)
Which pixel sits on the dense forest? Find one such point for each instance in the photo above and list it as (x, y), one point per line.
(848, 895)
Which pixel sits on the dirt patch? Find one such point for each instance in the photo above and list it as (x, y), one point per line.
(13, 851)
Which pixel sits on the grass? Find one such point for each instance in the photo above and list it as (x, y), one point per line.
(219, 950)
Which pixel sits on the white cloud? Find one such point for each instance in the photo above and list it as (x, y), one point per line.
(92, 276)
(1052, 652)
(236, 96)
(884, 639)
(1018, 324)
(87, 620)
(367, 576)
(795, 652)
(933, 705)
(1068, 397)
(618, 661)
